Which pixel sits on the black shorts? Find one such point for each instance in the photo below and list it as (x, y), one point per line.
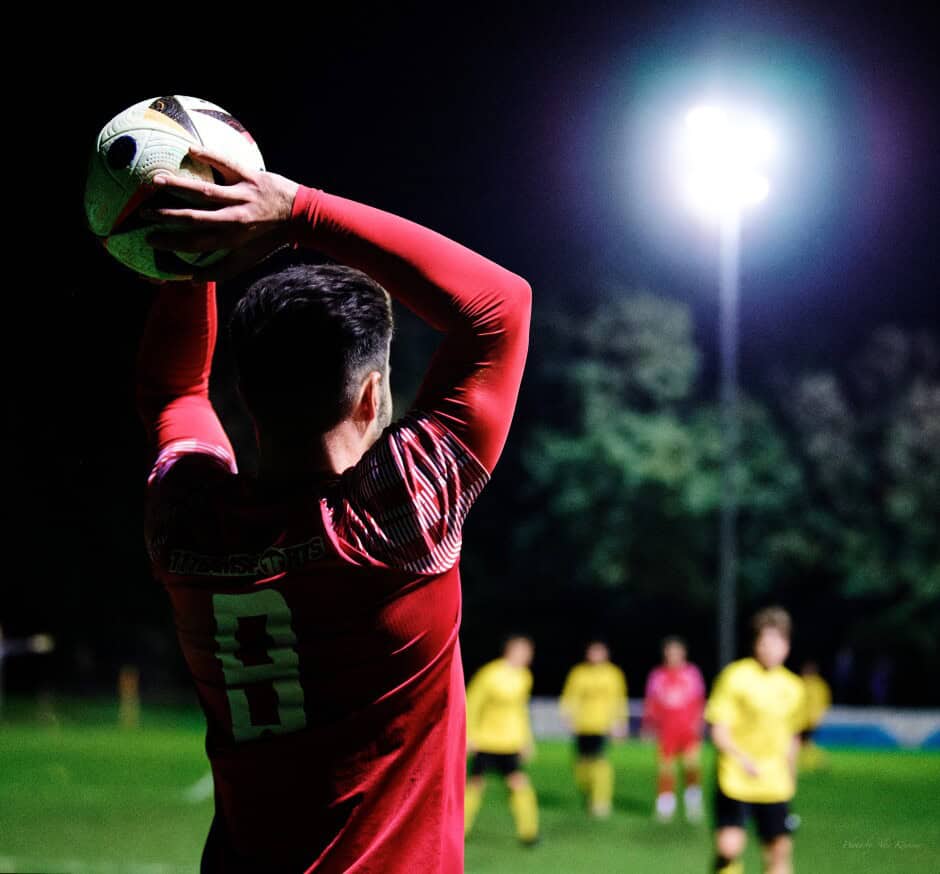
(590, 745)
(772, 819)
(502, 763)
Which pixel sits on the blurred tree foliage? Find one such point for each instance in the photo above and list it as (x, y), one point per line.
(868, 437)
(628, 472)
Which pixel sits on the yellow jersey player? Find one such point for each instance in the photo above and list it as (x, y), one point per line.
(499, 735)
(756, 711)
(594, 701)
(818, 701)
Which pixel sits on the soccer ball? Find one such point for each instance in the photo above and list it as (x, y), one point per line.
(150, 137)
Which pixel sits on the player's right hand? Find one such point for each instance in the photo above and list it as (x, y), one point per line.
(749, 766)
(250, 216)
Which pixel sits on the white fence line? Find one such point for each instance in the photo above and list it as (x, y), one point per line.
(862, 726)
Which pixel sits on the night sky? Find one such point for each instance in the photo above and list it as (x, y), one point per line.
(527, 136)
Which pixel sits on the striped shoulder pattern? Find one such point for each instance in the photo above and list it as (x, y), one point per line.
(405, 503)
(173, 452)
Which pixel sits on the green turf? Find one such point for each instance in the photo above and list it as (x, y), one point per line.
(868, 812)
(80, 795)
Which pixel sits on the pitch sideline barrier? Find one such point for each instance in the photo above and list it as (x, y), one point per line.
(882, 727)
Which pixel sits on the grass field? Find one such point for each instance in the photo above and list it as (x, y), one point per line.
(81, 796)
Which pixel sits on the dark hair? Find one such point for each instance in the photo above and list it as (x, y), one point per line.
(671, 639)
(303, 338)
(772, 617)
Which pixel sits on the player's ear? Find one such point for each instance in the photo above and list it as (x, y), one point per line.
(368, 400)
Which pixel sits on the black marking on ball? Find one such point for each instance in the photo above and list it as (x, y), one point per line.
(121, 152)
(217, 176)
(172, 108)
(224, 117)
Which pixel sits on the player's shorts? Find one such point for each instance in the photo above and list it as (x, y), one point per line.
(772, 819)
(677, 741)
(590, 745)
(502, 763)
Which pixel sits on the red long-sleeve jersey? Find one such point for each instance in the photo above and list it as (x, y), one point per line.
(319, 621)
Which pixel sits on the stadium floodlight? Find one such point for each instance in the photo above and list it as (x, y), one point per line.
(723, 154)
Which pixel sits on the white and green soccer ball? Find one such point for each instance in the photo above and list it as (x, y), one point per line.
(152, 137)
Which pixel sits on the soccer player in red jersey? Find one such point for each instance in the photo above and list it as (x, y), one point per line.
(672, 709)
(318, 604)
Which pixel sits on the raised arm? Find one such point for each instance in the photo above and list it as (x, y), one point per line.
(482, 308)
(173, 367)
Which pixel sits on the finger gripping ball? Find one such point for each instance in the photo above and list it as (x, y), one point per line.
(151, 137)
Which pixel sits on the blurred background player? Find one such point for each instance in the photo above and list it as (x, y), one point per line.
(594, 701)
(818, 701)
(672, 710)
(499, 735)
(756, 711)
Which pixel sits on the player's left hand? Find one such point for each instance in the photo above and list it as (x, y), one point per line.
(250, 215)
(528, 753)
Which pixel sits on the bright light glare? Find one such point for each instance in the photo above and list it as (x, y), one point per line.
(724, 156)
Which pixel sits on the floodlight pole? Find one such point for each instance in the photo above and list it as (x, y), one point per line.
(729, 287)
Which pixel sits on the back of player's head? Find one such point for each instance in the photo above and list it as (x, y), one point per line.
(775, 618)
(304, 338)
(597, 650)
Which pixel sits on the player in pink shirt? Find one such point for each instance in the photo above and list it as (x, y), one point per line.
(672, 710)
(317, 603)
